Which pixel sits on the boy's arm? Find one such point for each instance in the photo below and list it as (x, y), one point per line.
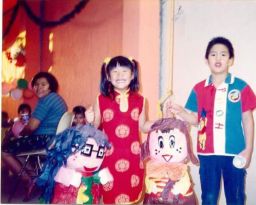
(248, 125)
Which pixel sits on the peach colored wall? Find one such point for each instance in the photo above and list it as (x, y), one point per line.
(141, 41)
(81, 46)
(110, 28)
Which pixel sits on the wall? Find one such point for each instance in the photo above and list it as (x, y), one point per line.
(101, 29)
(195, 23)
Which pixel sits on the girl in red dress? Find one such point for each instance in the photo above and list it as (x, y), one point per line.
(120, 111)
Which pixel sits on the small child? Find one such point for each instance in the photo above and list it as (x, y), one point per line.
(222, 107)
(79, 116)
(24, 112)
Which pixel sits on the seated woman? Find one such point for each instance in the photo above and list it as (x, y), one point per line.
(42, 125)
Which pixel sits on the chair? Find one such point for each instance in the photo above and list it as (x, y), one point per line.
(34, 158)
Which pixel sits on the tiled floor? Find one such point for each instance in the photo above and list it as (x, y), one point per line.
(8, 184)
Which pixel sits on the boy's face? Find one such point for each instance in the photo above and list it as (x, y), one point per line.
(219, 59)
(79, 119)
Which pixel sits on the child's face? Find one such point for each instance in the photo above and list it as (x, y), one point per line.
(24, 115)
(79, 119)
(219, 59)
(120, 77)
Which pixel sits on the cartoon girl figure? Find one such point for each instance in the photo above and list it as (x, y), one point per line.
(167, 151)
(80, 154)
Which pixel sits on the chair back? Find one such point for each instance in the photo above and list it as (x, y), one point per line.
(65, 122)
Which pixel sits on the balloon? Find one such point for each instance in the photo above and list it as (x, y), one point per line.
(28, 93)
(17, 128)
(6, 87)
(22, 83)
(16, 93)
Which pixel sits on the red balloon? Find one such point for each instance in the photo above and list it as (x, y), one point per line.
(28, 94)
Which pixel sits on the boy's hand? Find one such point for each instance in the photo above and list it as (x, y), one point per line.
(247, 155)
(176, 109)
(89, 114)
(166, 107)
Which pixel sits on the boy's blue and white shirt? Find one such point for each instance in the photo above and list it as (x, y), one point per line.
(220, 114)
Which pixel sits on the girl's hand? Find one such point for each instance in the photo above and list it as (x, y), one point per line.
(90, 115)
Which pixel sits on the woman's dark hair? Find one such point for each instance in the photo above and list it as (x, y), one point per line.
(79, 110)
(106, 88)
(53, 83)
(24, 106)
(223, 41)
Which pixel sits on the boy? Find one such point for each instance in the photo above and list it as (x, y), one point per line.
(222, 108)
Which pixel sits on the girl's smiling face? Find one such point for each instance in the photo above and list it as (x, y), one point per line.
(120, 77)
(41, 87)
(219, 59)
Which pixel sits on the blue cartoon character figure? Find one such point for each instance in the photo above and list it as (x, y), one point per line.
(75, 161)
(167, 151)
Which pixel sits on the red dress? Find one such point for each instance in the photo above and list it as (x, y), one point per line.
(123, 160)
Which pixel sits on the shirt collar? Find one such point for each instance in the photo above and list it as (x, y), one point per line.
(229, 80)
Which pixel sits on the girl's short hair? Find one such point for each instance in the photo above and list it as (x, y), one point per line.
(223, 41)
(53, 83)
(106, 88)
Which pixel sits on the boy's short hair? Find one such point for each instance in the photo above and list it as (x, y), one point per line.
(24, 106)
(79, 110)
(223, 41)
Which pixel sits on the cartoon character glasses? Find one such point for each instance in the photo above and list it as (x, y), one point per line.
(88, 149)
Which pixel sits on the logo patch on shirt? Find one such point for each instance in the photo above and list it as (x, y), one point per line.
(234, 95)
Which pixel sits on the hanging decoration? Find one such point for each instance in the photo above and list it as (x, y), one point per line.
(17, 54)
(37, 20)
(13, 64)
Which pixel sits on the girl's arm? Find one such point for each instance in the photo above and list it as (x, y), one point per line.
(248, 125)
(93, 115)
(97, 118)
(144, 125)
(32, 125)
